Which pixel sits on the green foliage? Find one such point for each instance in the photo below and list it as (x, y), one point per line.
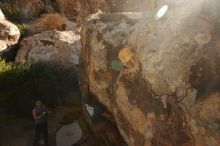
(10, 10)
(23, 28)
(22, 83)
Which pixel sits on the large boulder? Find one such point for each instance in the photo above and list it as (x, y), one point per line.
(9, 35)
(61, 48)
(51, 21)
(159, 77)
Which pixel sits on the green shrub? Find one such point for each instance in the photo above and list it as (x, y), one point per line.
(10, 10)
(23, 28)
(23, 83)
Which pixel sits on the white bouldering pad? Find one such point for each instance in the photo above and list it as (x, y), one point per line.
(69, 134)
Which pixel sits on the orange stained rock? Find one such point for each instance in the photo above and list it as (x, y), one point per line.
(125, 55)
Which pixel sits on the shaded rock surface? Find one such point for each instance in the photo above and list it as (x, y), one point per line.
(167, 90)
(32, 8)
(62, 48)
(75, 10)
(9, 35)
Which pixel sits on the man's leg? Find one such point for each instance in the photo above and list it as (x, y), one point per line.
(45, 134)
(37, 135)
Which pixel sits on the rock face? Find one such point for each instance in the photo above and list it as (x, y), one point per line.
(51, 21)
(158, 77)
(30, 8)
(77, 10)
(33, 8)
(9, 35)
(62, 48)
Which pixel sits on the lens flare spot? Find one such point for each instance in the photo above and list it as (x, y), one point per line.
(161, 12)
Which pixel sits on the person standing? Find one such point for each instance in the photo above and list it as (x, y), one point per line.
(40, 119)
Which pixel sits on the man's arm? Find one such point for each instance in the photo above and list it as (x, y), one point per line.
(34, 114)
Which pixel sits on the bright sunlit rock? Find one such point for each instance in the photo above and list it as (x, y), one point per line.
(162, 11)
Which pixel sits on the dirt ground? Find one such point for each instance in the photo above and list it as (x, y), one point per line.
(17, 132)
(14, 132)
